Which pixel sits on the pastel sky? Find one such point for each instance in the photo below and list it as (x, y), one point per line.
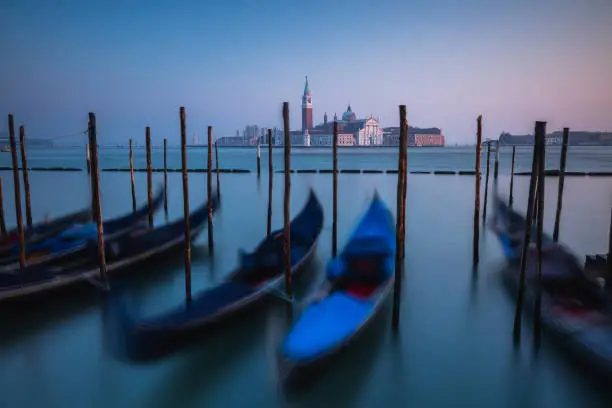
(233, 62)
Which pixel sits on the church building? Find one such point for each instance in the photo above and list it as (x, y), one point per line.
(351, 131)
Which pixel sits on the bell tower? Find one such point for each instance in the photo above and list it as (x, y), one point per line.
(306, 108)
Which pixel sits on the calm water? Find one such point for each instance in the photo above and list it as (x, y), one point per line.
(422, 159)
(455, 343)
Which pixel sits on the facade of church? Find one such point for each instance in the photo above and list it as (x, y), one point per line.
(351, 131)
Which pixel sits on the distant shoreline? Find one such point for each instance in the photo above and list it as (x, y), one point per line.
(308, 147)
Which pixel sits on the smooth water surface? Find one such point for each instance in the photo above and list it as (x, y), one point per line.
(454, 348)
(379, 158)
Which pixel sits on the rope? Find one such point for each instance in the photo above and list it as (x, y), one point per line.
(66, 136)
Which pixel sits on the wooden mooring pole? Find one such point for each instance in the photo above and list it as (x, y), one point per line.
(287, 197)
(92, 199)
(217, 171)
(270, 184)
(404, 190)
(400, 230)
(26, 179)
(2, 221)
(258, 158)
(166, 176)
(540, 135)
(335, 191)
(496, 162)
(88, 157)
(561, 183)
(149, 176)
(209, 192)
(186, 205)
(526, 241)
(609, 259)
(96, 197)
(486, 192)
(511, 198)
(475, 245)
(132, 177)
(17, 188)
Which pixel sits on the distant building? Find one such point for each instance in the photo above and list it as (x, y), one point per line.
(417, 137)
(306, 108)
(306, 138)
(426, 140)
(278, 136)
(249, 133)
(576, 138)
(346, 139)
(230, 141)
(321, 140)
(365, 132)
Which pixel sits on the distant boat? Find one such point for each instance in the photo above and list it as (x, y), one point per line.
(6, 149)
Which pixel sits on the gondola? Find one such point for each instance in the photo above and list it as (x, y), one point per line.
(575, 309)
(42, 230)
(260, 274)
(358, 282)
(135, 247)
(510, 228)
(71, 243)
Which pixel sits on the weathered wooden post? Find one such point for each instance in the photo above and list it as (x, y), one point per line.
(217, 171)
(561, 183)
(26, 180)
(96, 196)
(258, 158)
(92, 199)
(186, 205)
(132, 178)
(209, 192)
(399, 219)
(335, 191)
(270, 183)
(540, 135)
(19, 216)
(496, 162)
(166, 176)
(511, 199)
(287, 220)
(609, 259)
(88, 157)
(2, 222)
(486, 193)
(526, 241)
(475, 245)
(149, 176)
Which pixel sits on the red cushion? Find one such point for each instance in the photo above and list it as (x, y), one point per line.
(361, 290)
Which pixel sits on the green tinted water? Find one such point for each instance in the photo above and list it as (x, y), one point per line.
(455, 343)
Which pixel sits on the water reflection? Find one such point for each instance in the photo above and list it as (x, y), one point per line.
(455, 341)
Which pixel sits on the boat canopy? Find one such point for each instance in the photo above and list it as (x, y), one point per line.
(367, 247)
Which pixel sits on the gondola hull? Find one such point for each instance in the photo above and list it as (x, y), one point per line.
(339, 315)
(72, 245)
(294, 375)
(44, 230)
(586, 335)
(122, 254)
(583, 327)
(216, 308)
(163, 334)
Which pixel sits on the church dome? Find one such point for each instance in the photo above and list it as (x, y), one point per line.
(349, 115)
